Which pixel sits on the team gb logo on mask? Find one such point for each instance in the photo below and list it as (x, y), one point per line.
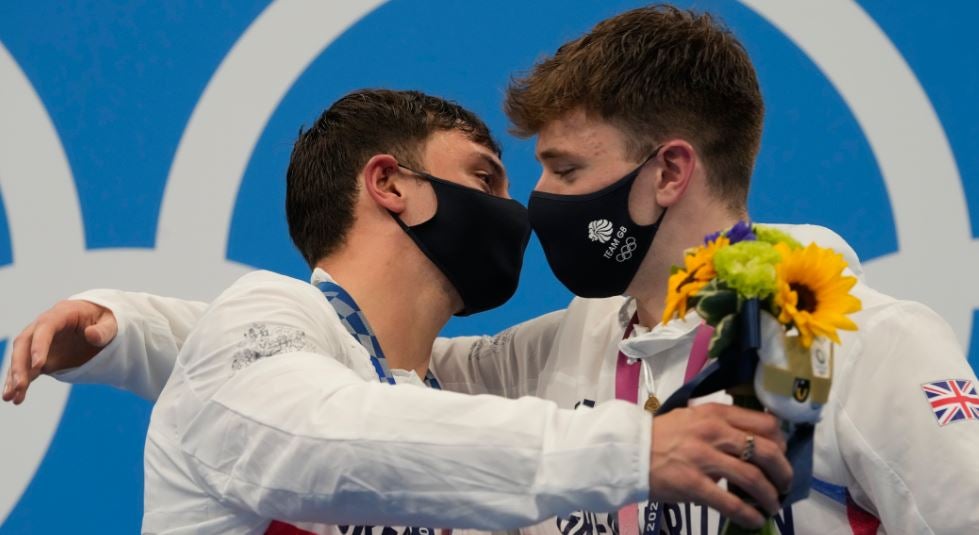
(600, 230)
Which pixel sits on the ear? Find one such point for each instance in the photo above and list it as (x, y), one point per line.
(384, 183)
(678, 160)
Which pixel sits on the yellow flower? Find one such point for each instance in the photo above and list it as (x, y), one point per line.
(685, 283)
(813, 294)
(700, 261)
(682, 286)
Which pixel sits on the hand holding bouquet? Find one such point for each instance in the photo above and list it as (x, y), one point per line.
(776, 307)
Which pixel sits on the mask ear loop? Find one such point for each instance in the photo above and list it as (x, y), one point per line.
(424, 175)
(404, 226)
(650, 157)
(662, 214)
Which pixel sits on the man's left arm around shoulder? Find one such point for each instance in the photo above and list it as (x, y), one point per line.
(507, 364)
(129, 340)
(909, 423)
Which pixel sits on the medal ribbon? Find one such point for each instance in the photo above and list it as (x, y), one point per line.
(355, 322)
(627, 389)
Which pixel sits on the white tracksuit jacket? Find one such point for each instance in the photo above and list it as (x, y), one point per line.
(274, 411)
(883, 461)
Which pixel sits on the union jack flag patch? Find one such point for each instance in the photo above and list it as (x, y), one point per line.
(952, 400)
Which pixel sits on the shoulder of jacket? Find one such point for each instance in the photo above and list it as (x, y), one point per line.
(288, 301)
(601, 306)
(591, 315)
(267, 283)
(880, 310)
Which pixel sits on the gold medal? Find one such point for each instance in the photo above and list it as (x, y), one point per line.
(652, 403)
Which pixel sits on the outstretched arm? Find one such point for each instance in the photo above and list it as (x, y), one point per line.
(125, 339)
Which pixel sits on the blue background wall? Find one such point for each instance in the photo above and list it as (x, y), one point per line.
(120, 83)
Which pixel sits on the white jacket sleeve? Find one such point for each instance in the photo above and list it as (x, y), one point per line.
(300, 436)
(141, 356)
(916, 476)
(508, 364)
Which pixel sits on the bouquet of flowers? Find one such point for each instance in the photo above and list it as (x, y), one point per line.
(775, 307)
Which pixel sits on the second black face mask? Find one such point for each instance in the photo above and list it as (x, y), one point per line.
(476, 239)
(591, 242)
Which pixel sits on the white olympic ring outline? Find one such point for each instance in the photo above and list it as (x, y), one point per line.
(625, 253)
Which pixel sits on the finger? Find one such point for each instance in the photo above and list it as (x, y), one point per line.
(101, 333)
(8, 387)
(103, 329)
(41, 343)
(752, 422)
(20, 364)
(772, 461)
(22, 394)
(767, 455)
(744, 475)
(727, 504)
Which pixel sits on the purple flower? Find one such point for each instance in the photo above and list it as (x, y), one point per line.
(741, 231)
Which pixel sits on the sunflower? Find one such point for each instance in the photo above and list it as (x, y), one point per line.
(700, 261)
(681, 287)
(813, 294)
(697, 271)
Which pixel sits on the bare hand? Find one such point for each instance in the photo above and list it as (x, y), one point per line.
(66, 336)
(695, 447)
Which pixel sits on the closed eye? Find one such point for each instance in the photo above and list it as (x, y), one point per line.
(488, 180)
(564, 173)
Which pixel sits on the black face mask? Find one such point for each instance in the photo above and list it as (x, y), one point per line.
(591, 242)
(476, 239)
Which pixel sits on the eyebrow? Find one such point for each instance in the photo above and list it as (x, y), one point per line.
(497, 167)
(553, 154)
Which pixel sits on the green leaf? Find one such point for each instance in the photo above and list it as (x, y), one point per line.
(768, 304)
(724, 333)
(715, 304)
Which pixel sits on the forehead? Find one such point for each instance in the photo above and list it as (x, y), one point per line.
(580, 134)
(446, 145)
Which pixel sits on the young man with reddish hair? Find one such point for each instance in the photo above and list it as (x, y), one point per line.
(648, 127)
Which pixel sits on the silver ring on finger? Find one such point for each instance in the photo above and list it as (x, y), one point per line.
(748, 451)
